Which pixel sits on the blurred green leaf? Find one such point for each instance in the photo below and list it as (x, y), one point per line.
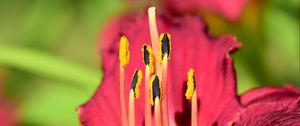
(52, 104)
(245, 80)
(282, 54)
(43, 64)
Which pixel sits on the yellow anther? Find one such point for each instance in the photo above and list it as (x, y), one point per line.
(148, 57)
(154, 89)
(124, 52)
(138, 84)
(190, 84)
(165, 46)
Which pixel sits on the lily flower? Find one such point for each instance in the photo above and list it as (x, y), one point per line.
(211, 84)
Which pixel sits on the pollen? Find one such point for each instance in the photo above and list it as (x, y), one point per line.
(148, 57)
(165, 46)
(190, 84)
(136, 82)
(154, 88)
(124, 52)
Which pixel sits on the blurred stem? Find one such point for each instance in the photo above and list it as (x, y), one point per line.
(43, 64)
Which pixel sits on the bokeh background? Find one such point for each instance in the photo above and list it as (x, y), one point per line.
(49, 62)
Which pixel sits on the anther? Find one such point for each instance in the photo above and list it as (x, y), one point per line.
(124, 52)
(136, 82)
(190, 84)
(148, 57)
(165, 45)
(155, 89)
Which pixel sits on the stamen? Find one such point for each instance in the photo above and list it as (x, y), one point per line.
(148, 57)
(134, 94)
(156, 98)
(148, 61)
(165, 46)
(164, 56)
(191, 93)
(154, 39)
(190, 84)
(124, 60)
(136, 82)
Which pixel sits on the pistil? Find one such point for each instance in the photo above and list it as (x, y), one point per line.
(124, 60)
(154, 40)
(153, 30)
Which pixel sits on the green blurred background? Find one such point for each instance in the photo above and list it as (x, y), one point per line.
(49, 62)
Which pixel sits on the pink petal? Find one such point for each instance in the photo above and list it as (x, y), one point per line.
(231, 9)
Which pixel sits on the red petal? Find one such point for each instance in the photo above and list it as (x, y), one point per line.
(192, 47)
(8, 115)
(269, 94)
(231, 9)
(279, 113)
(266, 106)
(215, 77)
(271, 106)
(104, 107)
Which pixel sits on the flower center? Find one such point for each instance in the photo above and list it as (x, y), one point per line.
(155, 59)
